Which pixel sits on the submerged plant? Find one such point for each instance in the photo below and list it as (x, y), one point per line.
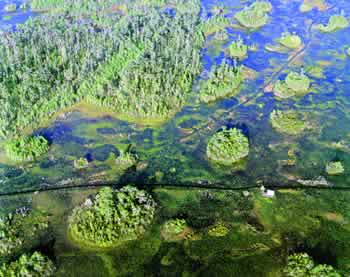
(228, 147)
(216, 23)
(288, 122)
(112, 217)
(289, 40)
(335, 23)
(26, 148)
(238, 49)
(301, 264)
(255, 15)
(295, 84)
(10, 8)
(35, 265)
(224, 80)
(334, 168)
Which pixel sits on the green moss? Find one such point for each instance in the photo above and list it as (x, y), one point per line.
(289, 40)
(288, 122)
(334, 168)
(112, 217)
(228, 147)
(218, 230)
(301, 264)
(35, 265)
(81, 163)
(224, 80)
(255, 15)
(20, 231)
(26, 148)
(10, 8)
(335, 23)
(238, 49)
(295, 84)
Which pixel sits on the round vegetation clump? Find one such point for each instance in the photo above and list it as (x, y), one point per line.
(334, 168)
(255, 15)
(291, 41)
(295, 84)
(174, 226)
(26, 148)
(288, 122)
(335, 23)
(111, 217)
(301, 264)
(81, 163)
(35, 265)
(238, 49)
(228, 146)
(224, 80)
(218, 230)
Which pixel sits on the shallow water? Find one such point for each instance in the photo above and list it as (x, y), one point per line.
(263, 230)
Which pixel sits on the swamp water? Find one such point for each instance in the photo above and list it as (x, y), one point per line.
(310, 211)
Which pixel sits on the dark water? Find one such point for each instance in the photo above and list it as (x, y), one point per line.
(263, 231)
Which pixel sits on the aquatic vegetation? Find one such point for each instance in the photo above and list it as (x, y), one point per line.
(287, 122)
(223, 80)
(308, 5)
(335, 23)
(221, 35)
(301, 264)
(81, 163)
(111, 217)
(174, 227)
(289, 40)
(10, 8)
(19, 230)
(26, 148)
(315, 71)
(238, 49)
(35, 265)
(255, 15)
(334, 168)
(348, 52)
(214, 24)
(218, 230)
(126, 159)
(228, 146)
(295, 84)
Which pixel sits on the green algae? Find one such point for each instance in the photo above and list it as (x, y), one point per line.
(291, 41)
(254, 16)
(295, 84)
(334, 168)
(335, 23)
(238, 49)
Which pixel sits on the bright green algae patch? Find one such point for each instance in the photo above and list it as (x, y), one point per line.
(334, 168)
(287, 122)
(335, 23)
(255, 15)
(224, 80)
(295, 84)
(26, 148)
(228, 147)
(35, 265)
(238, 49)
(111, 217)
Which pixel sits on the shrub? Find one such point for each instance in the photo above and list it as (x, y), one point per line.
(301, 264)
(112, 217)
(288, 122)
(224, 80)
(228, 146)
(26, 148)
(238, 49)
(291, 41)
(334, 168)
(218, 230)
(335, 23)
(35, 265)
